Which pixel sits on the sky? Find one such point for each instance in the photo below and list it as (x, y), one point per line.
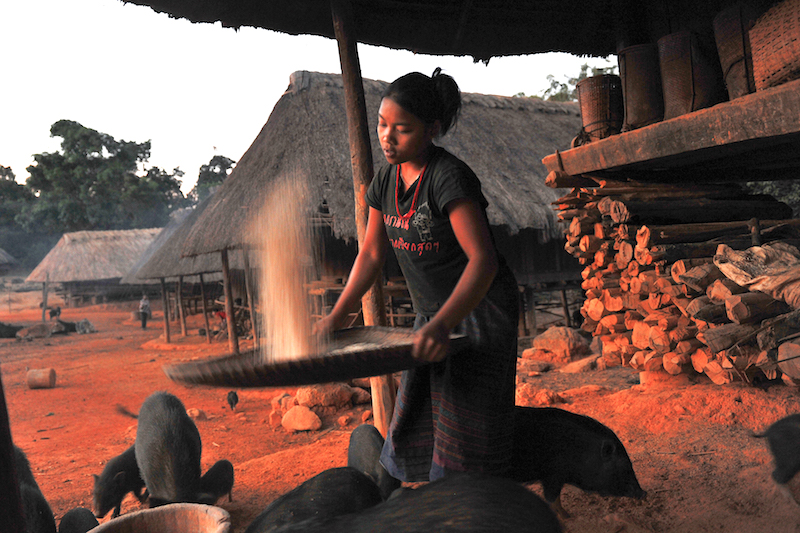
(193, 90)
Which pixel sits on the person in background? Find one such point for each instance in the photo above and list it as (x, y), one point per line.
(144, 310)
(456, 413)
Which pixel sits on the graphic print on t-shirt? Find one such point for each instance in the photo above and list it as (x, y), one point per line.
(423, 222)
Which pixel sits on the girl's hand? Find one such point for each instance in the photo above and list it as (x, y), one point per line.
(324, 327)
(431, 342)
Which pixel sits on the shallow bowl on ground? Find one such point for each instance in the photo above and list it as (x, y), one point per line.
(172, 518)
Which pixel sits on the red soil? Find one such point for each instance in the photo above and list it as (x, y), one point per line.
(690, 442)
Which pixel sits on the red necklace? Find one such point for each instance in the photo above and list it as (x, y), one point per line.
(416, 194)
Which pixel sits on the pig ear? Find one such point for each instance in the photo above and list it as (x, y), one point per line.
(607, 450)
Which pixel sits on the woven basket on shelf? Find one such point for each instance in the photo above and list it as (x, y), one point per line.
(775, 43)
(602, 110)
(691, 77)
(641, 85)
(731, 32)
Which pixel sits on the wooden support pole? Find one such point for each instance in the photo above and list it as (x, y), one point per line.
(179, 305)
(565, 306)
(248, 285)
(11, 513)
(233, 340)
(205, 309)
(44, 295)
(372, 304)
(165, 304)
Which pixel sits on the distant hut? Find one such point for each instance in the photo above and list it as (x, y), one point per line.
(502, 138)
(162, 263)
(7, 261)
(90, 264)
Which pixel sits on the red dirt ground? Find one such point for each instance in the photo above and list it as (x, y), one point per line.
(690, 441)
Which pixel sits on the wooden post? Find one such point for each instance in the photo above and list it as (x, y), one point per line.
(565, 305)
(205, 309)
(44, 294)
(248, 285)
(372, 304)
(233, 340)
(179, 305)
(165, 304)
(11, 514)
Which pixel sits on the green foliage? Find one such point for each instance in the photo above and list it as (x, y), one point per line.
(567, 91)
(787, 191)
(14, 198)
(211, 176)
(97, 183)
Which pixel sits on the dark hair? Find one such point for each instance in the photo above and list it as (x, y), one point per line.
(428, 98)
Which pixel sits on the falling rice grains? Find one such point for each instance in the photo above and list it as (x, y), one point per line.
(281, 239)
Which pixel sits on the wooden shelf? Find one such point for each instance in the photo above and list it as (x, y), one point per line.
(754, 137)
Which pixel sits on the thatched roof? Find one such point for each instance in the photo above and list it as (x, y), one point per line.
(479, 28)
(93, 255)
(502, 138)
(162, 259)
(6, 259)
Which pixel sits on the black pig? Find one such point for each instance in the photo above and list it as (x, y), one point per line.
(558, 447)
(119, 477)
(216, 482)
(334, 492)
(77, 520)
(463, 502)
(38, 515)
(168, 450)
(783, 438)
(364, 454)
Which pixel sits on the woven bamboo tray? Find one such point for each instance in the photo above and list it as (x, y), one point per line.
(386, 350)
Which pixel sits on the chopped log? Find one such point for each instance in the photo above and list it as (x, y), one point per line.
(644, 307)
(682, 333)
(588, 325)
(702, 308)
(624, 254)
(612, 302)
(675, 363)
(665, 285)
(613, 319)
(638, 358)
(558, 179)
(602, 230)
(772, 268)
(595, 309)
(726, 335)
(717, 374)
(700, 358)
(631, 318)
(640, 335)
(569, 214)
(750, 307)
(675, 252)
(643, 256)
(653, 362)
(681, 266)
(590, 244)
(774, 330)
(658, 300)
(688, 346)
(681, 304)
(789, 358)
(722, 289)
(668, 323)
(581, 225)
(700, 277)
(659, 340)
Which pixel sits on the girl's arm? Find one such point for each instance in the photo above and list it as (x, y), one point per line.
(366, 268)
(472, 233)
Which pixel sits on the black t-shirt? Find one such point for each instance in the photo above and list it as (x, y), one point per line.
(426, 247)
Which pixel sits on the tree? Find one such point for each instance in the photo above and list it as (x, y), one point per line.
(211, 176)
(98, 183)
(567, 92)
(14, 198)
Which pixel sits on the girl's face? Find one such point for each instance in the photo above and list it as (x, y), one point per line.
(403, 136)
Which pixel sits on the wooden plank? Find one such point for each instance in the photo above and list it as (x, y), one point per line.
(761, 120)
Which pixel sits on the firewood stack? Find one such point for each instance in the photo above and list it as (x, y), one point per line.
(653, 292)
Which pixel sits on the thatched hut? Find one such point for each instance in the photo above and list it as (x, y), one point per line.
(90, 264)
(7, 261)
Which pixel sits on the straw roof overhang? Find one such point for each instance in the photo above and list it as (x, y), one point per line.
(502, 138)
(6, 259)
(162, 259)
(93, 255)
(478, 28)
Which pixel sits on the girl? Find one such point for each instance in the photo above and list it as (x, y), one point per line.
(454, 414)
